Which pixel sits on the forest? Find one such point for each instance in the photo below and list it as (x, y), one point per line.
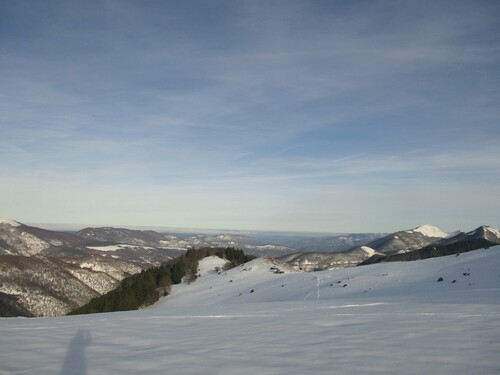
(145, 288)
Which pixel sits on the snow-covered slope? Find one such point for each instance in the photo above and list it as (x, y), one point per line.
(123, 235)
(41, 275)
(408, 240)
(312, 261)
(44, 286)
(417, 279)
(11, 223)
(484, 232)
(168, 241)
(395, 243)
(430, 231)
(391, 318)
(16, 241)
(20, 239)
(493, 231)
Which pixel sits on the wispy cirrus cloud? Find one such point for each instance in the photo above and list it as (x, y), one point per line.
(276, 101)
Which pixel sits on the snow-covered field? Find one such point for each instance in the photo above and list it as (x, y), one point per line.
(118, 247)
(393, 318)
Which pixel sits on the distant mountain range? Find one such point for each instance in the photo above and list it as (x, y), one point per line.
(456, 243)
(334, 244)
(151, 238)
(139, 247)
(413, 242)
(407, 240)
(46, 273)
(319, 261)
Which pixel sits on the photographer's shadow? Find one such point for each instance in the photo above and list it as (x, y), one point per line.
(75, 362)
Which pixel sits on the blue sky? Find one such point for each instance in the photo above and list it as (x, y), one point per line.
(326, 116)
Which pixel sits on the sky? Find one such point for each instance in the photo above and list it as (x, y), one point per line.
(325, 116)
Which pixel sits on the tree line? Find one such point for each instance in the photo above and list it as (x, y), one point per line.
(146, 287)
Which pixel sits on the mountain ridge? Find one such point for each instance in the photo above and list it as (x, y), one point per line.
(99, 258)
(394, 246)
(482, 237)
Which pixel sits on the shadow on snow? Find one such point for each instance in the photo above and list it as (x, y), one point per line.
(74, 362)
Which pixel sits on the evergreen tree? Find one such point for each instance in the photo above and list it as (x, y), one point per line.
(142, 289)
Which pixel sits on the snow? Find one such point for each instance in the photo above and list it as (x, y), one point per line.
(209, 264)
(390, 318)
(31, 244)
(117, 247)
(431, 231)
(368, 250)
(495, 232)
(9, 222)
(106, 248)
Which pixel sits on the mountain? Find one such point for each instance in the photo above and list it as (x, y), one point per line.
(333, 244)
(20, 239)
(249, 244)
(46, 273)
(481, 233)
(316, 261)
(57, 275)
(391, 246)
(378, 319)
(142, 290)
(407, 240)
(480, 238)
(141, 247)
(47, 286)
(125, 236)
(169, 241)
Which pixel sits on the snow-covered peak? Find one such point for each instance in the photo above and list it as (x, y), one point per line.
(430, 231)
(368, 250)
(484, 229)
(494, 231)
(9, 222)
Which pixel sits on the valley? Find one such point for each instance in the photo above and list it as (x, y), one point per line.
(391, 317)
(50, 273)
